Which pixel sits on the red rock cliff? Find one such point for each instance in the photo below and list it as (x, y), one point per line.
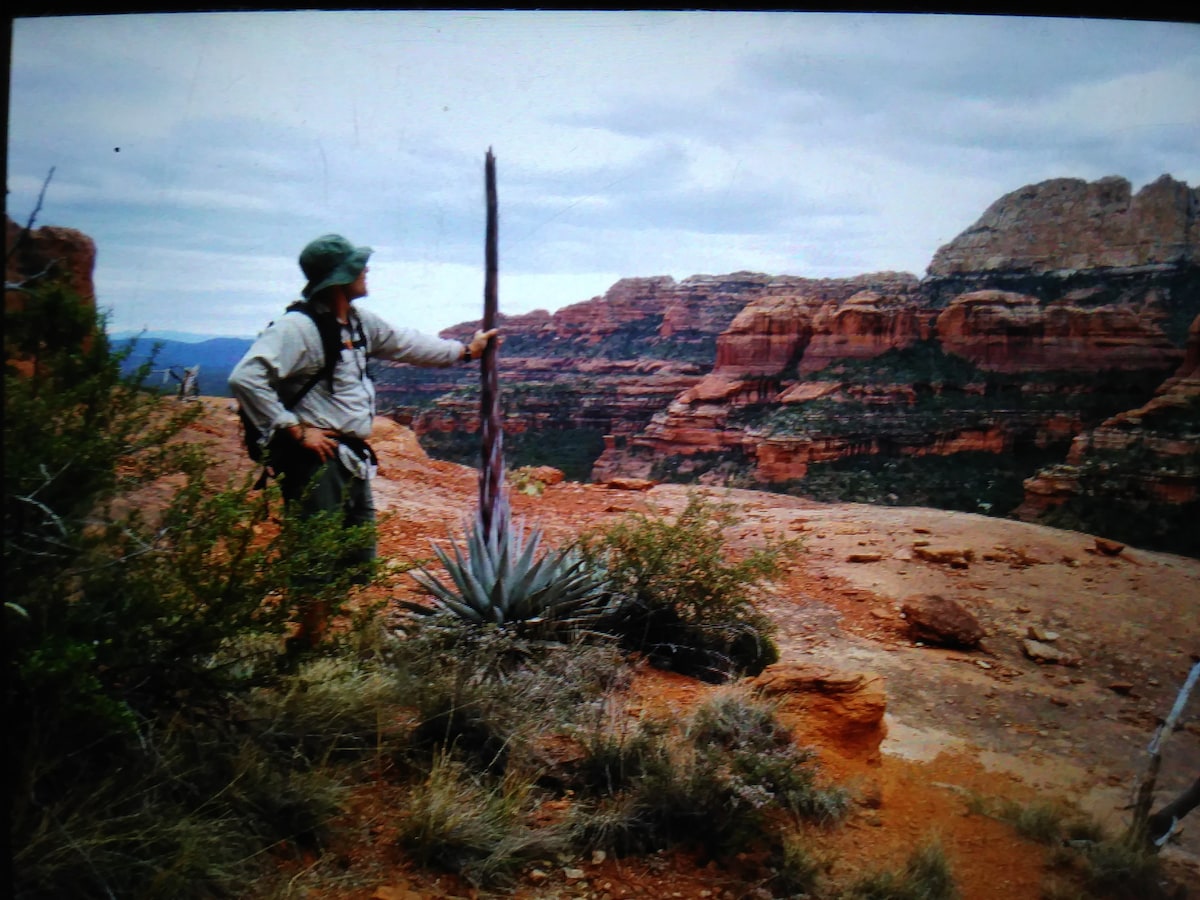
(48, 252)
(960, 361)
(1007, 332)
(42, 255)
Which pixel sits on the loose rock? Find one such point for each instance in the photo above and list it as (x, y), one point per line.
(629, 484)
(1038, 633)
(940, 620)
(867, 557)
(954, 557)
(1046, 653)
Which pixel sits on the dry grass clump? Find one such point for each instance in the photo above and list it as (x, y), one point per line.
(726, 777)
(925, 875)
(481, 828)
(1041, 821)
(487, 694)
(1086, 861)
(488, 702)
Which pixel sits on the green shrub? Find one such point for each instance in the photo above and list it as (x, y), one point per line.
(678, 596)
(1091, 863)
(799, 868)
(1122, 868)
(141, 647)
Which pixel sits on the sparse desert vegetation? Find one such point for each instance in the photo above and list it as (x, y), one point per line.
(166, 744)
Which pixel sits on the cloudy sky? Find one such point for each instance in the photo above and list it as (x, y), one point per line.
(202, 151)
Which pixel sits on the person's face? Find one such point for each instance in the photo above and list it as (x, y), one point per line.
(358, 287)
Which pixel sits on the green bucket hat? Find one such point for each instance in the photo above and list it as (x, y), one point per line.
(330, 260)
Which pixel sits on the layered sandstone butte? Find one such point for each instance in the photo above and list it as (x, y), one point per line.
(960, 362)
(1067, 223)
(806, 323)
(1003, 331)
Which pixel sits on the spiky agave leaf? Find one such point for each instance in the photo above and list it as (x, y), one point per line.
(499, 577)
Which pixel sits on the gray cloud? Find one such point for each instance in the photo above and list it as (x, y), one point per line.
(627, 143)
(881, 58)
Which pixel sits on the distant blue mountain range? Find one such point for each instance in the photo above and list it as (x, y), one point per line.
(216, 358)
(183, 337)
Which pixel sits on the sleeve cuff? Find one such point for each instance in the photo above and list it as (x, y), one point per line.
(285, 419)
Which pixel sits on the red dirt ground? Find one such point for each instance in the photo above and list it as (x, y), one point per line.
(989, 721)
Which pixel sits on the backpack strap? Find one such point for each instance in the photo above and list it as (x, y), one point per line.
(299, 395)
(331, 342)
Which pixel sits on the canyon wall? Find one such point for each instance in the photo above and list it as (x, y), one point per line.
(1065, 307)
(1135, 476)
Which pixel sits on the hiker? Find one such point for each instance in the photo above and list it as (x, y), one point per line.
(189, 385)
(303, 384)
(189, 381)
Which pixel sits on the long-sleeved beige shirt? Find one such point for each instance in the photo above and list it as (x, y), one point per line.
(289, 352)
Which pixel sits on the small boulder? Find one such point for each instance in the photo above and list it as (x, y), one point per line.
(548, 474)
(864, 557)
(1047, 654)
(940, 620)
(629, 484)
(954, 557)
(842, 711)
(1038, 633)
(1109, 548)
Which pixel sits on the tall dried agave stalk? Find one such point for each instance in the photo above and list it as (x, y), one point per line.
(492, 493)
(499, 577)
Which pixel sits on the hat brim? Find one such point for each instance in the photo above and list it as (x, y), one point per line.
(347, 271)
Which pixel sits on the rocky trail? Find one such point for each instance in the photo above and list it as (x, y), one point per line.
(914, 727)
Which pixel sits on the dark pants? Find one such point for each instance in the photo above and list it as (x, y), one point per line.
(310, 487)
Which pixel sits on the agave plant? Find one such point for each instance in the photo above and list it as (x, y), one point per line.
(498, 577)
